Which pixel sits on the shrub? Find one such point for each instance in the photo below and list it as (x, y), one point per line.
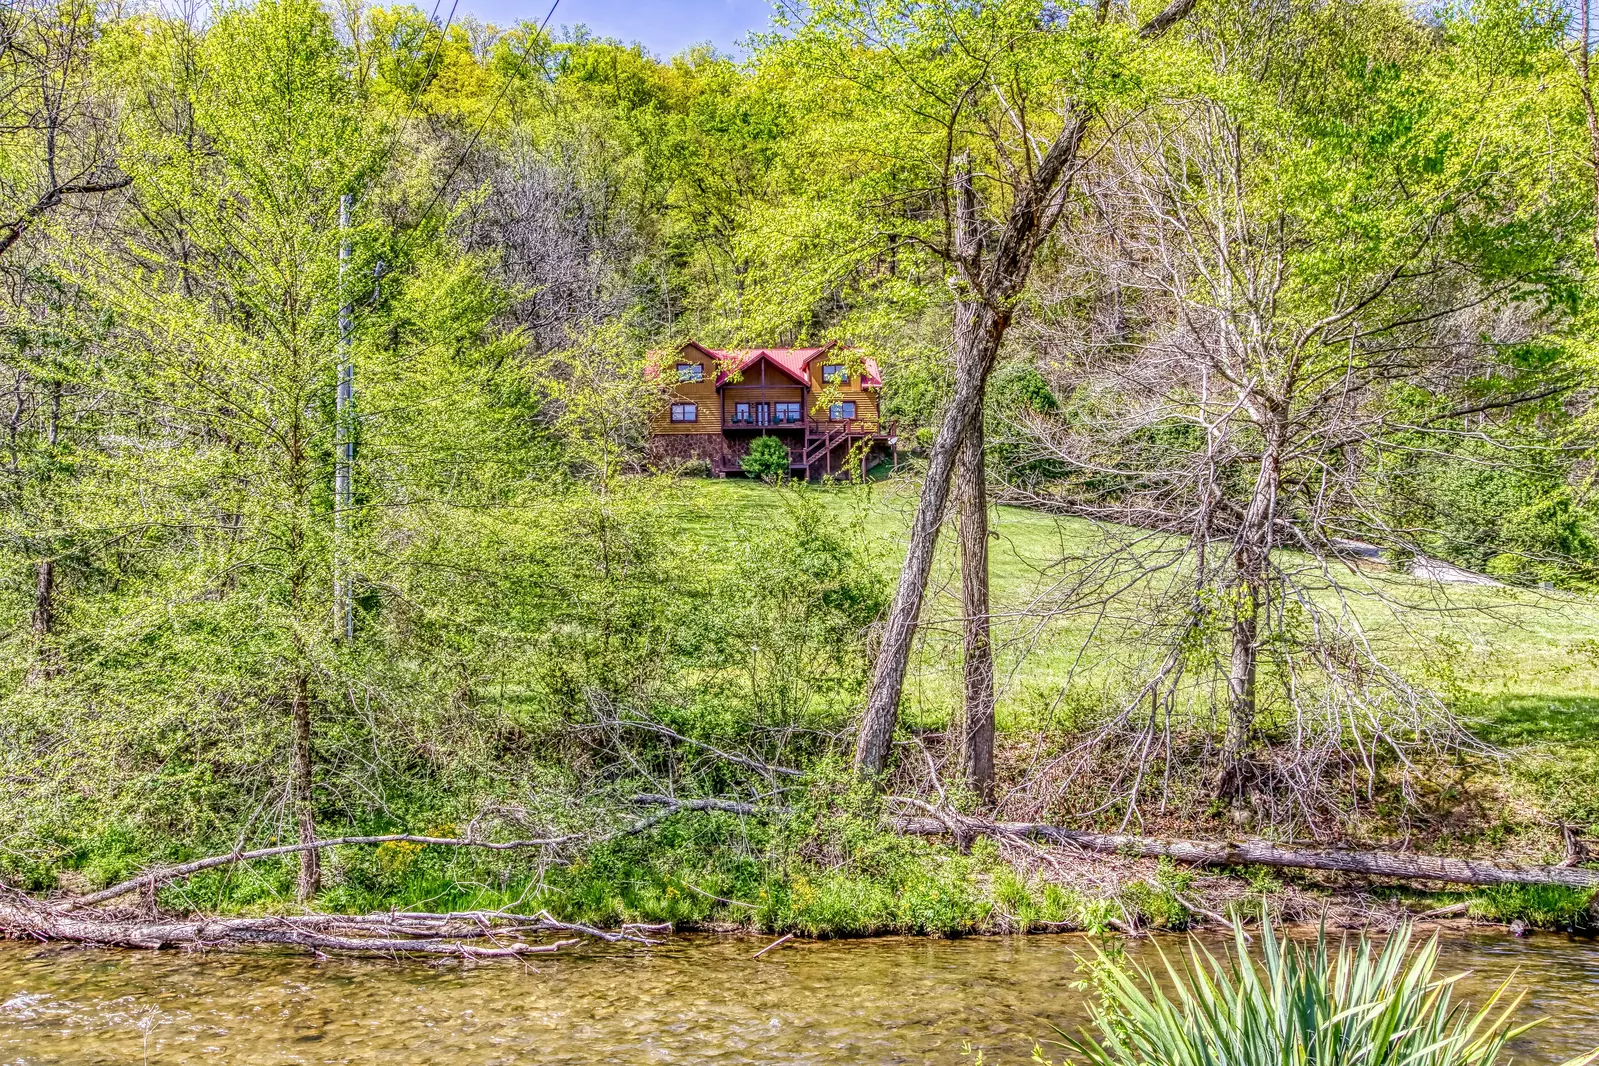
(1298, 1003)
(1160, 901)
(768, 459)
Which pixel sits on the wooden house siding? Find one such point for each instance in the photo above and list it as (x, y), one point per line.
(866, 409)
(763, 379)
(824, 394)
(701, 393)
(755, 395)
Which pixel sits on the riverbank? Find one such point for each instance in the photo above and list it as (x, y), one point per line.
(1517, 665)
(838, 877)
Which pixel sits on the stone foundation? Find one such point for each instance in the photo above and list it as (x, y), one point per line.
(675, 449)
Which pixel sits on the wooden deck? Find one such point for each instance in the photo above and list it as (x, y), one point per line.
(818, 448)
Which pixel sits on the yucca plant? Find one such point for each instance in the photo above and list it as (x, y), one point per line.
(1296, 1004)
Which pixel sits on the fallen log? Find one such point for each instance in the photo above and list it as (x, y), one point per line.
(470, 934)
(1265, 853)
(465, 934)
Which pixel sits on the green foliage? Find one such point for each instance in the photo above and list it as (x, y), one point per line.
(1160, 901)
(1016, 393)
(1520, 522)
(1293, 1003)
(1540, 906)
(1263, 880)
(768, 459)
(916, 384)
(1016, 389)
(171, 351)
(1565, 778)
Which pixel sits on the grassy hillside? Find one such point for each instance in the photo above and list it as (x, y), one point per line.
(1520, 666)
(1525, 663)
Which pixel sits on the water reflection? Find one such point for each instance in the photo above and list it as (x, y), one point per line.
(698, 999)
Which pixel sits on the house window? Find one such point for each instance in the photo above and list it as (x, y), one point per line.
(835, 374)
(786, 413)
(741, 412)
(842, 412)
(690, 372)
(685, 412)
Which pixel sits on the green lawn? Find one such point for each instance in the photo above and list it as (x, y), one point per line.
(1522, 666)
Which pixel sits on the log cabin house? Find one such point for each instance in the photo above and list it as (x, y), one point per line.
(821, 402)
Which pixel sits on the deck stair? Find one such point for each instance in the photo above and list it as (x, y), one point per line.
(817, 448)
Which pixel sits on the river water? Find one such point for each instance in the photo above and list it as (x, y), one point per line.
(696, 999)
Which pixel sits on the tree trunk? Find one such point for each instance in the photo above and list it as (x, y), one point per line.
(44, 588)
(45, 663)
(1251, 600)
(1585, 89)
(1266, 853)
(1241, 675)
(992, 272)
(976, 743)
(44, 599)
(310, 881)
(979, 329)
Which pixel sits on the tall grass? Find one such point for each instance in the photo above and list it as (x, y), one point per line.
(1295, 1004)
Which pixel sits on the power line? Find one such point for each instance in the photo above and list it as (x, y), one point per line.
(487, 115)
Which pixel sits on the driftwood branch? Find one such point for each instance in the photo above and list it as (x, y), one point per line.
(670, 805)
(163, 874)
(465, 934)
(1265, 853)
(673, 804)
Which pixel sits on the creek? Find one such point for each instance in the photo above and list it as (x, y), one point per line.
(697, 999)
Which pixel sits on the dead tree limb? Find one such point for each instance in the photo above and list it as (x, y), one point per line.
(1265, 853)
(1168, 17)
(649, 799)
(160, 875)
(466, 934)
(726, 756)
(153, 878)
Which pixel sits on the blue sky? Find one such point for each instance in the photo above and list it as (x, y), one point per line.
(663, 26)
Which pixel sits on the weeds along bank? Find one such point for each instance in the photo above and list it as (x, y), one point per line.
(709, 638)
(1333, 1003)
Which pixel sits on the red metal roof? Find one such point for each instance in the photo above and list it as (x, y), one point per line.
(793, 361)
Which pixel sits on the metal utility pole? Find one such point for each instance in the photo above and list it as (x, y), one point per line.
(343, 446)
